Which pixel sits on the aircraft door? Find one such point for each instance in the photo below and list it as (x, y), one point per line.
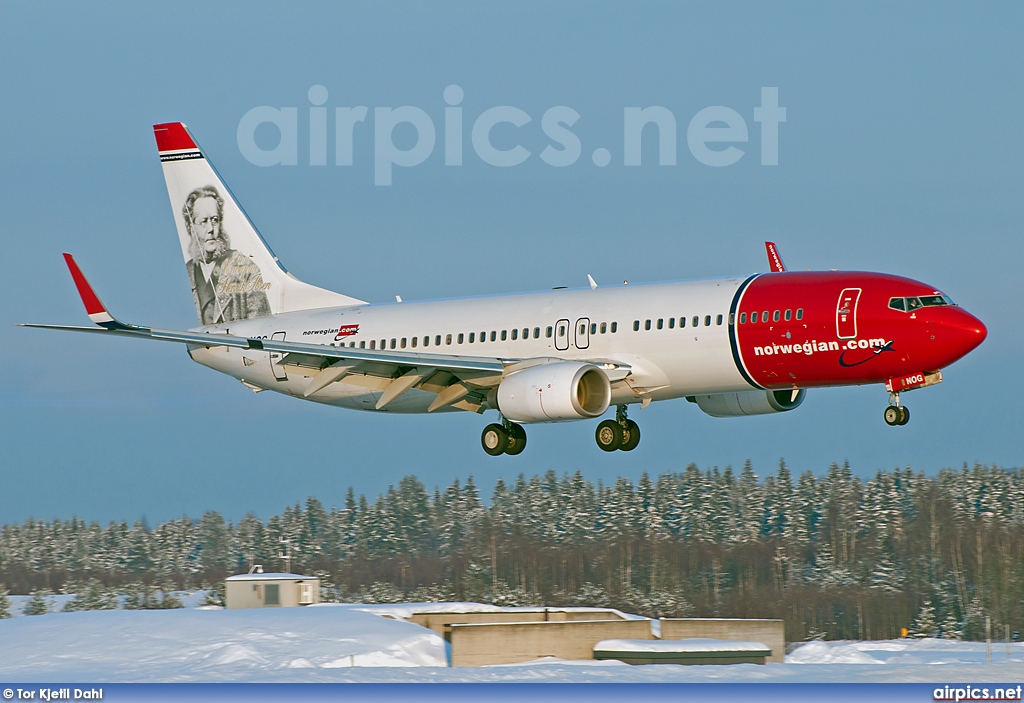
(279, 373)
(582, 333)
(846, 313)
(562, 335)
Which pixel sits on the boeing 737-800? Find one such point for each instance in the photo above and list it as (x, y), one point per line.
(741, 345)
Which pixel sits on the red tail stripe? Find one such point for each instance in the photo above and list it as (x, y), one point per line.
(172, 136)
(89, 298)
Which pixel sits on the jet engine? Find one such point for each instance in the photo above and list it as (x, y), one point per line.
(563, 390)
(748, 402)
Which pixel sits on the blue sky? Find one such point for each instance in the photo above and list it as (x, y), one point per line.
(901, 152)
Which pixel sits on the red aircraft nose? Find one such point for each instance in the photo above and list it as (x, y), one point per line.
(961, 333)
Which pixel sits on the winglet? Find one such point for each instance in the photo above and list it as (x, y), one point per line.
(774, 259)
(96, 310)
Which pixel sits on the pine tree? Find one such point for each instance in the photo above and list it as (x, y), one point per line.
(924, 624)
(39, 603)
(91, 596)
(5, 603)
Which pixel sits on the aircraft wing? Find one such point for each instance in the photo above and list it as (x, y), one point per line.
(459, 381)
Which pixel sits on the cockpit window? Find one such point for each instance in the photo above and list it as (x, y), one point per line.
(926, 301)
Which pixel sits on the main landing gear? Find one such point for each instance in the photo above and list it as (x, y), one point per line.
(506, 438)
(896, 414)
(620, 433)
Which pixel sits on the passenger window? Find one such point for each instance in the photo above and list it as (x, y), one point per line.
(494, 335)
(426, 340)
(743, 318)
(682, 322)
(515, 334)
(636, 325)
(799, 313)
(504, 334)
(362, 345)
(707, 320)
(789, 315)
(437, 340)
(526, 333)
(661, 323)
(647, 324)
(775, 316)
(415, 340)
(373, 344)
(536, 332)
(732, 319)
(897, 304)
(764, 316)
(604, 327)
(447, 339)
(547, 332)
(695, 321)
(718, 320)
(472, 337)
(583, 329)
(403, 342)
(593, 328)
(615, 327)
(561, 332)
(460, 337)
(671, 323)
(393, 342)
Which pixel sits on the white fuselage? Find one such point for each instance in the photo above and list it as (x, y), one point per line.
(666, 362)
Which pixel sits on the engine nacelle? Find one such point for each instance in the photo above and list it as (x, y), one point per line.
(747, 402)
(563, 390)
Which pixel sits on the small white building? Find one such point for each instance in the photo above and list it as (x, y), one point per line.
(259, 590)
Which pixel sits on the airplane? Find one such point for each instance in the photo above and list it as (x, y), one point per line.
(734, 346)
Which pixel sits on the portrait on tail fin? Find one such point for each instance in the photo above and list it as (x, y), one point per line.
(226, 284)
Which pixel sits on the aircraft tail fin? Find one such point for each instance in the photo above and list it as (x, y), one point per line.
(774, 258)
(233, 273)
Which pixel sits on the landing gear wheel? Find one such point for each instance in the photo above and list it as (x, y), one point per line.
(516, 440)
(904, 415)
(609, 435)
(495, 440)
(630, 436)
(893, 415)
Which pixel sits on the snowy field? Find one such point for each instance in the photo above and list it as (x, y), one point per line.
(352, 643)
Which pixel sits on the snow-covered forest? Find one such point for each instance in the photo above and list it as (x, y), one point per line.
(834, 556)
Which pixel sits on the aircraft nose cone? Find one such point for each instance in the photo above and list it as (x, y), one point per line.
(964, 333)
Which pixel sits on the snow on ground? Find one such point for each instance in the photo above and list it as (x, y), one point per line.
(351, 643)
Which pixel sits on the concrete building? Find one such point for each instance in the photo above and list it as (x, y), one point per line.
(771, 632)
(259, 590)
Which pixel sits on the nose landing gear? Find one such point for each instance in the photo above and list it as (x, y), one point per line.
(896, 414)
(620, 433)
